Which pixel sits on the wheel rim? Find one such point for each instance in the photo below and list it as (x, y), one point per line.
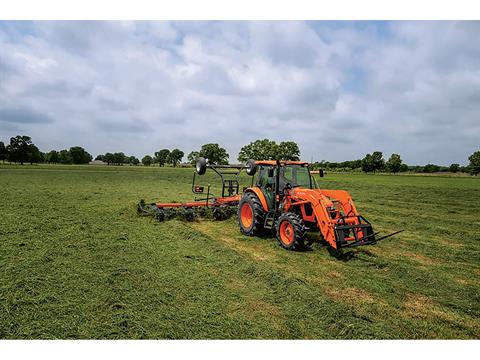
(286, 233)
(246, 215)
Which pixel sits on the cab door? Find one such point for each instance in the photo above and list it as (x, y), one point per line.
(266, 183)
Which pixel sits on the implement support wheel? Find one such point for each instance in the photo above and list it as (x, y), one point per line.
(291, 231)
(250, 215)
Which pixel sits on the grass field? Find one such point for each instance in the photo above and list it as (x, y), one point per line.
(77, 262)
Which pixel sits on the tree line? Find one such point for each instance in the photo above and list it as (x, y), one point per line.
(22, 150)
(375, 162)
(163, 157)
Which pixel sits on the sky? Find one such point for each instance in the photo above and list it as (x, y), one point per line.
(338, 89)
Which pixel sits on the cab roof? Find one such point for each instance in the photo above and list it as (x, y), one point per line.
(282, 162)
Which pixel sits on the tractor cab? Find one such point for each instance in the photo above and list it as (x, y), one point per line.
(291, 175)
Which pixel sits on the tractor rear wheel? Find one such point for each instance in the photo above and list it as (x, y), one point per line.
(251, 215)
(291, 231)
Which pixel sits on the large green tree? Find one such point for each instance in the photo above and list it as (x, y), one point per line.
(269, 150)
(394, 163)
(258, 150)
(373, 162)
(175, 157)
(474, 165)
(147, 160)
(80, 155)
(378, 161)
(214, 153)
(288, 150)
(161, 157)
(19, 149)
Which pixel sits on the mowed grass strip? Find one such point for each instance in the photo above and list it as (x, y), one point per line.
(78, 262)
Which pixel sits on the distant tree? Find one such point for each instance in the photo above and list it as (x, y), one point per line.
(394, 163)
(79, 155)
(474, 166)
(367, 164)
(431, 168)
(52, 157)
(259, 150)
(34, 154)
(214, 153)
(119, 158)
(108, 158)
(377, 158)
(175, 157)
(147, 160)
(65, 157)
(19, 149)
(288, 150)
(100, 158)
(3, 152)
(454, 168)
(403, 168)
(161, 157)
(192, 157)
(133, 160)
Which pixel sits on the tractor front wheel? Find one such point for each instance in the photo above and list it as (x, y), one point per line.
(291, 231)
(251, 215)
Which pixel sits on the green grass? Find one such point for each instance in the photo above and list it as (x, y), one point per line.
(77, 262)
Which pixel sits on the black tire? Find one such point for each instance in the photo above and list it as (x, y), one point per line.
(160, 215)
(251, 167)
(296, 227)
(201, 166)
(189, 214)
(218, 214)
(258, 215)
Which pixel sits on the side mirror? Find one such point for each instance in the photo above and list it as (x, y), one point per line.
(201, 166)
(251, 167)
(320, 172)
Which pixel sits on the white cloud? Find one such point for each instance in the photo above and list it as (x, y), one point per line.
(338, 89)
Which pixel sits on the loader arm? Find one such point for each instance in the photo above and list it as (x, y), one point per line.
(335, 215)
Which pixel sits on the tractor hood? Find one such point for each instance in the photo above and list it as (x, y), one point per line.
(311, 195)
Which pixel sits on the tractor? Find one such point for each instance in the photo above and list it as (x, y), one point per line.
(283, 197)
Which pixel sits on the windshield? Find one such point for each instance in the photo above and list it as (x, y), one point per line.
(297, 175)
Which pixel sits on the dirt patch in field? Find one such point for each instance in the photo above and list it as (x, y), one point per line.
(351, 295)
(254, 309)
(236, 284)
(421, 306)
(335, 275)
(258, 253)
(451, 243)
(422, 259)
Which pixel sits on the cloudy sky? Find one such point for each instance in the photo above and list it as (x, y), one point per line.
(339, 89)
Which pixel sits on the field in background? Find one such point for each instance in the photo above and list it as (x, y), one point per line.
(77, 262)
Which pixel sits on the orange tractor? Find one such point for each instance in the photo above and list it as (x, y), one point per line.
(283, 196)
